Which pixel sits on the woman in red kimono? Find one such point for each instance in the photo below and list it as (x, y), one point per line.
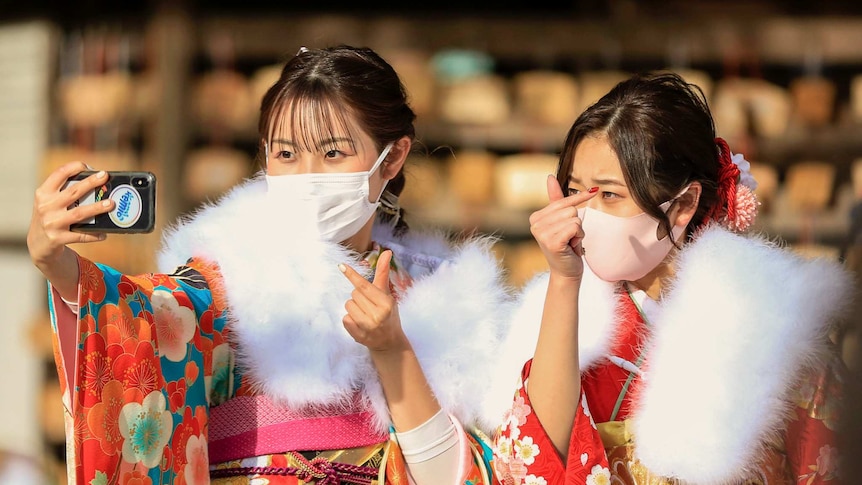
(683, 351)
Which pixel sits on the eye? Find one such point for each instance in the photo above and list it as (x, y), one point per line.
(333, 154)
(610, 195)
(572, 191)
(284, 155)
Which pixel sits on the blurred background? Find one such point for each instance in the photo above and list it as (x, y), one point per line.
(174, 88)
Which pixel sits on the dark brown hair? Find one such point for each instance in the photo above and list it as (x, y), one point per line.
(319, 88)
(662, 132)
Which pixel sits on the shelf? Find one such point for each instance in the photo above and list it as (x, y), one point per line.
(839, 144)
(689, 39)
(513, 135)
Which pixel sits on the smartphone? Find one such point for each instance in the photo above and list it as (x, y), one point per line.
(134, 196)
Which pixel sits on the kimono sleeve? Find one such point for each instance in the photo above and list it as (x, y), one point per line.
(812, 455)
(524, 453)
(138, 367)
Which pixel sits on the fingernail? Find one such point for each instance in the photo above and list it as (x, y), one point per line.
(593, 190)
(101, 174)
(106, 203)
(342, 268)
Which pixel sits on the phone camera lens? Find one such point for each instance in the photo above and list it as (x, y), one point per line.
(139, 182)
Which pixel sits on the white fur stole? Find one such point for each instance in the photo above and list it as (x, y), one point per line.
(286, 298)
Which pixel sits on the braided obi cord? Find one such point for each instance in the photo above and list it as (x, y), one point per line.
(320, 470)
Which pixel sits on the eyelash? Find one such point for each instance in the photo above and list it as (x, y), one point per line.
(284, 154)
(604, 195)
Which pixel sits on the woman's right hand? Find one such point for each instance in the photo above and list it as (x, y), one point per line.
(557, 230)
(554, 386)
(49, 231)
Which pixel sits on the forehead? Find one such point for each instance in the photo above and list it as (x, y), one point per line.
(595, 158)
(313, 124)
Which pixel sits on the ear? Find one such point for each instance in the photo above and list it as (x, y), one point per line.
(686, 205)
(396, 157)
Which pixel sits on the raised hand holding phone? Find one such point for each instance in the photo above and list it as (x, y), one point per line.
(133, 195)
(54, 211)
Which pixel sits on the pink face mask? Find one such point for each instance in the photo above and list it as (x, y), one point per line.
(624, 248)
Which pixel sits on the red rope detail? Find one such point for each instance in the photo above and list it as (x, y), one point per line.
(728, 177)
(321, 470)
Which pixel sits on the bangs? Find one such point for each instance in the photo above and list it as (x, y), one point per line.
(310, 120)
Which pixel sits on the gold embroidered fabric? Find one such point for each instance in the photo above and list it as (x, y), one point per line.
(620, 442)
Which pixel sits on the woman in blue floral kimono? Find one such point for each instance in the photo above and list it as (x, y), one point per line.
(291, 335)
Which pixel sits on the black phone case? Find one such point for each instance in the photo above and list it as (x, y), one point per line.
(134, 195)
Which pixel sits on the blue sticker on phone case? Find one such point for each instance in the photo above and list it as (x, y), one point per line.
(128, 206)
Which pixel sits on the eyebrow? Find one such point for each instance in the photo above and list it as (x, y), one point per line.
(605, 181)
(282, 142)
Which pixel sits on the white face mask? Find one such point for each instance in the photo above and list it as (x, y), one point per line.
(624, 248)
(335, 205)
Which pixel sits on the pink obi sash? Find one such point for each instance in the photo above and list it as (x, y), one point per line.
(249, 426)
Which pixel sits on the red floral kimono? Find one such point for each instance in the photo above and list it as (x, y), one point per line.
(602, 444)
(728, 379)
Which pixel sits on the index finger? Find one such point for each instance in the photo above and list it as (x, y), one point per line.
(58, 177)
(359, 282)
(578, 199)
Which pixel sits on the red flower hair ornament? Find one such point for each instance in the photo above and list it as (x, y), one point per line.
(737, 207)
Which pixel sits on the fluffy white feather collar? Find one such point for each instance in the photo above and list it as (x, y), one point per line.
(741, 320)
(286, 299)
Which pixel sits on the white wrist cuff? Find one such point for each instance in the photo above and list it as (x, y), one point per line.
(72, 305)
(429, 439)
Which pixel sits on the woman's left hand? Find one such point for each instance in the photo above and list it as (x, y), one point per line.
(372, 313)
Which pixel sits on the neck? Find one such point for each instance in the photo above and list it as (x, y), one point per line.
(361, 241)
(655, 280)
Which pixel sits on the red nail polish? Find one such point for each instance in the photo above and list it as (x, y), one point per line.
(593, 190)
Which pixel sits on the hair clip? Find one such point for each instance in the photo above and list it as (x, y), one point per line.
(302, 50)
